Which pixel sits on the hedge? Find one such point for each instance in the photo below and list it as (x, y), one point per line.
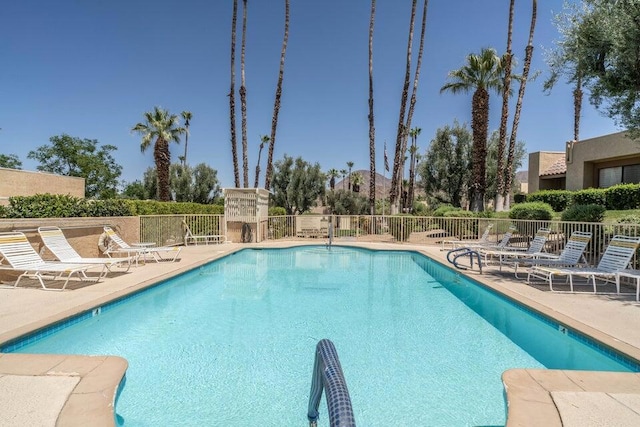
(558, 199)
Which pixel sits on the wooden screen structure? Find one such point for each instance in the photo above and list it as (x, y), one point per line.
(246, 212)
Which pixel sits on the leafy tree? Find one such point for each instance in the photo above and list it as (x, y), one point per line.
(134, 190)
(599, 45)
(333, 174)
(297, 184)
(71, 156)
(445, 170)
(480, 75)
(356, 181)
(206, 187)
(344, 202)
(163, 127)
(10, 161)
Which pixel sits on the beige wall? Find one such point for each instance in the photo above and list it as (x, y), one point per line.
(539, 162)
(590, 155)
(15, 182)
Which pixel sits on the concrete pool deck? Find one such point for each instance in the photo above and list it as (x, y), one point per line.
(59, 390)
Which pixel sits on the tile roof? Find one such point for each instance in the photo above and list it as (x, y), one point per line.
(559, 167)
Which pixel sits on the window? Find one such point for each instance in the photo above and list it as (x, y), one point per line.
(619, 175)
(610, 176)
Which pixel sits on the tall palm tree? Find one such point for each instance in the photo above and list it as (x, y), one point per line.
(264, 139)
(232, 95)
(162, 127)
(243, 99)
(516, 116)
(416, 78)
(481, 74)
(506, 93)
(577, 105)
(372, 129)
(356, 181)
(413, 150)
(343, 172)
(397, 158)
(333, 174)
(276, 104)
(350, 166)
(186, 116)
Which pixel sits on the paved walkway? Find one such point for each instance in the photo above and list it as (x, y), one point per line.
(48, 390)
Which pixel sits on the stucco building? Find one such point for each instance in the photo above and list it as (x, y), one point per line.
(592, 163)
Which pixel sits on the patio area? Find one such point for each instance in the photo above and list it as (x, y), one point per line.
(84, 386)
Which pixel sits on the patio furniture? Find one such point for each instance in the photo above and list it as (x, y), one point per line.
(117, 245)
(54, 239)
(535, 247)
(189, 237)
(483, 240)
(21, 256)
(615, 259)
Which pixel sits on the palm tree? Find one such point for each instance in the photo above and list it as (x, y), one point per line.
(356, 181)
(395, 174)
(481, 74)
(333, 174)
(516, 116)
(413, 150)
(343, 172)
(276, 104)
(186, 116)
(232, 96)
(506, 93)
(243, 99)
(162, 127)
(416, 78)
(372, 129)
(264, 139)
(350, 165)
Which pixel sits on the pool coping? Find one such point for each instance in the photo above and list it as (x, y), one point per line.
(528, 393)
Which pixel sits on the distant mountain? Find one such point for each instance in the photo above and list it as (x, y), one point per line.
(522, 177)
(383, 184)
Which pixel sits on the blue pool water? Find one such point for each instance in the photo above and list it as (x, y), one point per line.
(232, 343)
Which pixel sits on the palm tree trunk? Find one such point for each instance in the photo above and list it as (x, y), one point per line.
(396, 179)
(276, 105)
(256, 182)
(480, 126)
(516, 116)
(502, 142)
(414, 91)
(243, 99)
(186, 142)
(372, 129)
(232, 96)
(577, 107)
(162, 158)
(412, 173)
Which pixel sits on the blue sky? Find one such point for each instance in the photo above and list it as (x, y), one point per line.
(91, 69)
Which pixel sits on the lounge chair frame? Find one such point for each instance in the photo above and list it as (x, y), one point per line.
(117, 245)
(21, 256)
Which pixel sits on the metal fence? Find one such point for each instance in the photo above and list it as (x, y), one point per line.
(168, 229)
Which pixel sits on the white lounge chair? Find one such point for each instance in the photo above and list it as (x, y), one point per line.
(615, 259)
(502, 244)
(572, 254)
(189, 237)
(117, 245)
(535, 247)
(483, 240)
(54, 239)
(21, 256)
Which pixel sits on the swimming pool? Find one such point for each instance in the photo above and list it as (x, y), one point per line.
(232, 343)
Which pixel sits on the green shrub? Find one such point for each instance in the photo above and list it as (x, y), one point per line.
(442, 209)
(401, 226)
(154, 207)
(558, 199)
(519, 198)
(460, 227)
(623, 197)
(531, 210)
(277, 211)
(590, 196)
(584, 213)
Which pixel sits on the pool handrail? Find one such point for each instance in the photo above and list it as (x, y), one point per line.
(327, 375)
